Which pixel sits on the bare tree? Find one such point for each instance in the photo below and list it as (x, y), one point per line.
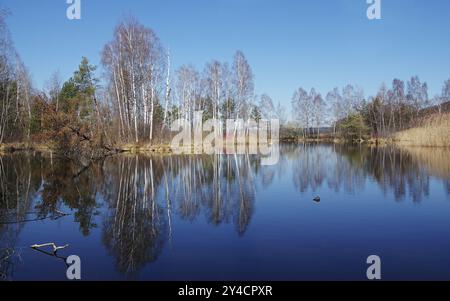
(267, 107)
(301, 109)
(15, 88)
(348, 99)
(168, 91)
(228, 105)
(417, 95)
(23, 94)
(214, 84)
(379, 109)
(398, 90)
(318, 112)
(135, 65)
(243, 85)
(280, 113)
(53, 87)
(334, 99)
(188, 91)
(6, 74)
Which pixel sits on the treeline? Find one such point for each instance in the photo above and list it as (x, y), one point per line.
(140, 96)
(65, 115)
(145, 97)
(352, 116)
(15, 91)
(138, 101)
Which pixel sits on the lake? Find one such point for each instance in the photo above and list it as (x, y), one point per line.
(228, 217)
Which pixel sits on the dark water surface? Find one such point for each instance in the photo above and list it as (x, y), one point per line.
(229, 218)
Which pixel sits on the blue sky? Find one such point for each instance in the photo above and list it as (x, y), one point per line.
(289, 43)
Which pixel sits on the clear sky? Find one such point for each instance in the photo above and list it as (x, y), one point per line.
(289, 43)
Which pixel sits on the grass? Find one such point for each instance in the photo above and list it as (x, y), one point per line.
(433, 131)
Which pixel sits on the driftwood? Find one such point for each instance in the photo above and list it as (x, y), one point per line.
(55, 247)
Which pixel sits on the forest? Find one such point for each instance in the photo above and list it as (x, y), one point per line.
(138, 96)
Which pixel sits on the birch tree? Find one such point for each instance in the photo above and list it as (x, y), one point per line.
(267, 107)
(398, 101)
(243, 85)
(417, 94)
(280, 112)
(301, 109)
(54, 86)
(135, 66)
(334, 99)
(319, 113)
(228, 105)
(214, 83)
(188, 91)
(15, 88)
(168, 93)
(23, 96)
(352, 98)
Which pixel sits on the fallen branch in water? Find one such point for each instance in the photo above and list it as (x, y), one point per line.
(55, 247)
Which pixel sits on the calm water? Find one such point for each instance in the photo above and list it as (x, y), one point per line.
(229, 218)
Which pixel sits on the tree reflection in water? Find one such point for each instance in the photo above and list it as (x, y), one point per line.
(403, 172)
(135, 198)
(18, 187)
(143, 193)
(134, 227)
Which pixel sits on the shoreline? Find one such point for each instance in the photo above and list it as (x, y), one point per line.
(166, 149)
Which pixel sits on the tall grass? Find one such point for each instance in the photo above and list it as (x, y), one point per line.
(432, 131)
